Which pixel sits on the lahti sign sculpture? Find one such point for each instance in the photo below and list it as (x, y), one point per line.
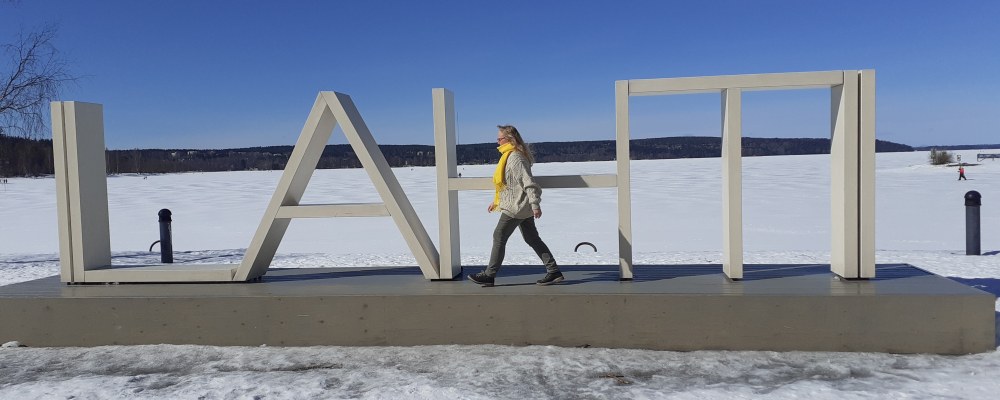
(82, 199)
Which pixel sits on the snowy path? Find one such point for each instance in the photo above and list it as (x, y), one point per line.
(453, 372)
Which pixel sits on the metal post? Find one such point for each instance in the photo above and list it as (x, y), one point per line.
(166, 242)
(972, 238)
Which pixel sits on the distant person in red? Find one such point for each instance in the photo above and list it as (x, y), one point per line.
(961, 173)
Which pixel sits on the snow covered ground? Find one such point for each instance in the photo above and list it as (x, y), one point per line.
(676, 219)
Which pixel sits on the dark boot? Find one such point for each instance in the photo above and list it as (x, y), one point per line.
(482, 279)
(550, 278)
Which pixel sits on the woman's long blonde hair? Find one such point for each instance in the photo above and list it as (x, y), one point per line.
(514, 137)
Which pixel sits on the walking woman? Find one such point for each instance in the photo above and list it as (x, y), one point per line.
(518, 199)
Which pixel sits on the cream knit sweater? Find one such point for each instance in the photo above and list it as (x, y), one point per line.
(520, 194)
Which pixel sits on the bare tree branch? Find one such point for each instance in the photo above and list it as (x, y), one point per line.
(34, 75)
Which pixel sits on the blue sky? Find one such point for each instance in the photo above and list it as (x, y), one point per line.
(213, 74)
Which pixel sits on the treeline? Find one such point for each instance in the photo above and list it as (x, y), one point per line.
(26, 157)
(959, 147)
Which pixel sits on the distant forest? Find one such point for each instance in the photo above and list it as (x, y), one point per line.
(959, 147)
(28, 157)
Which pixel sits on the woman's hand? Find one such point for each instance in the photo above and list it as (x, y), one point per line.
(491, 207)
(537, 213)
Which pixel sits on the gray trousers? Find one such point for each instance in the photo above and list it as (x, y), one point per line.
(505, 227)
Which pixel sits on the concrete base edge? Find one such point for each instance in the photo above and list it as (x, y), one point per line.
(895, 324)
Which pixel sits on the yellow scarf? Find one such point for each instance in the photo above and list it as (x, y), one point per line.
(506, 149)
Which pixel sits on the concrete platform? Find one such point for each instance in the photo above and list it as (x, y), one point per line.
(669, 307)
(162, 273)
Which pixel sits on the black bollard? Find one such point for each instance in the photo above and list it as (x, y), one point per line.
(166, 242)
(972, 238)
